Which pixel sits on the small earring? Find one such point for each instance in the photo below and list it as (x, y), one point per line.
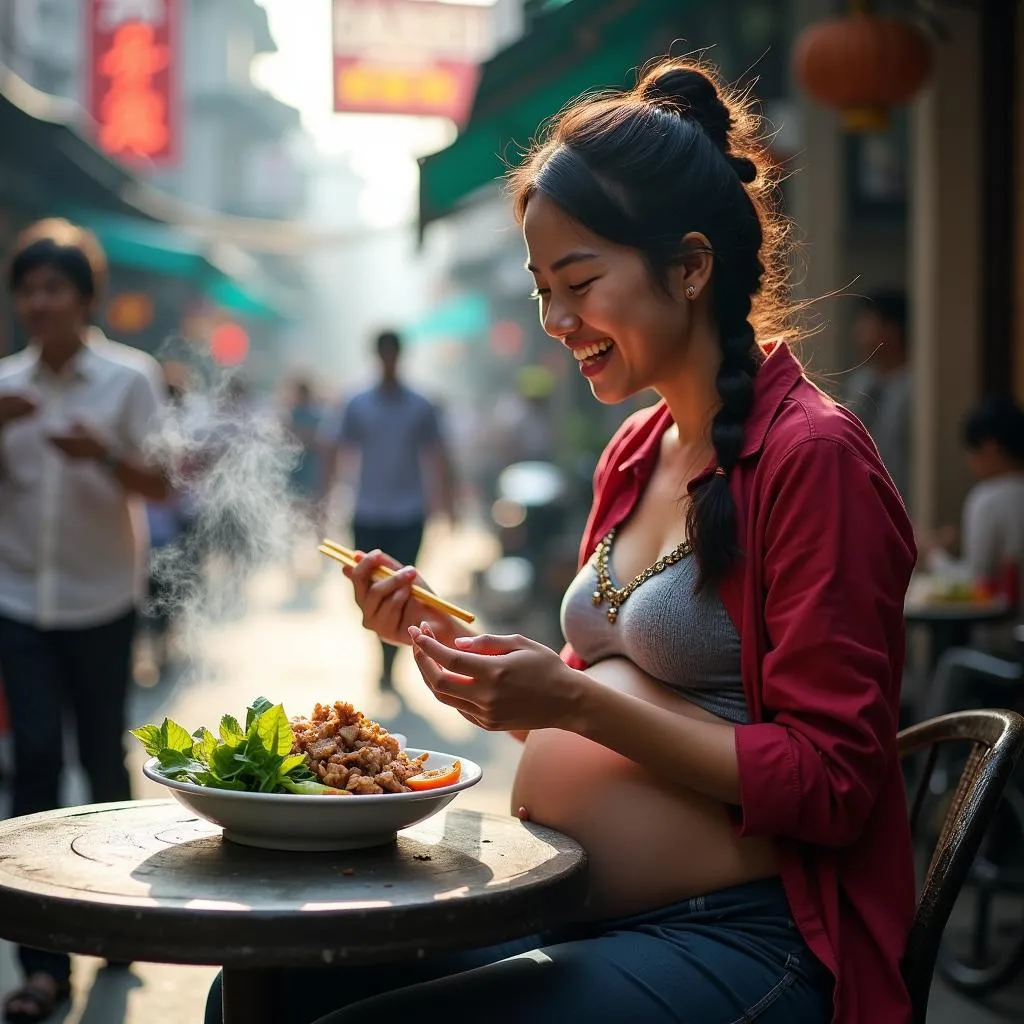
(691, 292)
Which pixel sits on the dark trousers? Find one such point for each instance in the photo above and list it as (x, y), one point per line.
(730, 956)
(50, 675)
(400, 542)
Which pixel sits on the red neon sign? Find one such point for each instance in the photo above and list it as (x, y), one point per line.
(408, 56)
(133, 86)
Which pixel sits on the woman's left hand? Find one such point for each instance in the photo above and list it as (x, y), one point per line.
(501, 683)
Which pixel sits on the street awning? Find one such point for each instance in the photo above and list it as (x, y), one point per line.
(575, 46)
(464, 316)
(225, 274)
(46, 157)
(148, 245)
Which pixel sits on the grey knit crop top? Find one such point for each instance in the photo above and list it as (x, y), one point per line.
(685, 640)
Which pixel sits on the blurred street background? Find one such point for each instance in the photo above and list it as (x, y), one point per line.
(277, 184)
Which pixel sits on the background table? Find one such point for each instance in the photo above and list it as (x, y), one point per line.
(949, 623)
(148, 880)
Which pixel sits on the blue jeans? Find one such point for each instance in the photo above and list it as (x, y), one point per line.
(731, 957)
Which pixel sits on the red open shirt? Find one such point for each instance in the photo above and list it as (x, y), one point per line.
(817, 600)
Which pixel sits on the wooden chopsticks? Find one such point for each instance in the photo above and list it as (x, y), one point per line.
(346, 556)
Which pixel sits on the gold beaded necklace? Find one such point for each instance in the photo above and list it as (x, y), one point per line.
(616, 596)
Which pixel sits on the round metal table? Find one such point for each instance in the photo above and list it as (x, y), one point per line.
(148, 880)
(949, 623)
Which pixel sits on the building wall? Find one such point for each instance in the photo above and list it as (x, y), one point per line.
(43, 40)
(945, 247)
(230, 125)
(236, 147)
(367, 282)
(232, 131)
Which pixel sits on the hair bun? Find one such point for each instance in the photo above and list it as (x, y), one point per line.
(692, 94)
(745, 168)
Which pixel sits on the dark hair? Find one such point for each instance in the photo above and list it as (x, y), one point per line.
(890, 306)
(996, 418)
(69, 249)
(679, 153)
(388, 341)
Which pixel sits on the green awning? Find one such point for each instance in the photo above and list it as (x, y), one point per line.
(57, 171)
(464, 316)
(571, 48)
(252, 299)
(148, 245)
(165, 249)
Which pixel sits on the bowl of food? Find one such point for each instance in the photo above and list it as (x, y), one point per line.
(332, 781)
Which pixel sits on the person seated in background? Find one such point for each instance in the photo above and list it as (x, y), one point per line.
(879, 392)
(992, 528)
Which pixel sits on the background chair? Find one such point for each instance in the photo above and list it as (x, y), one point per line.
(996, 741)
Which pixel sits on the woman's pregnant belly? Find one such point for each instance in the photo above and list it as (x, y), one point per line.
(649, 842)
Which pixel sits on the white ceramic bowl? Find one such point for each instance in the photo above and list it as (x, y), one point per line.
(287, 821)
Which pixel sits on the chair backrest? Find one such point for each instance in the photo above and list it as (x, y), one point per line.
(997, 740)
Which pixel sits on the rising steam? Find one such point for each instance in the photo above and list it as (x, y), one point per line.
(229, 465)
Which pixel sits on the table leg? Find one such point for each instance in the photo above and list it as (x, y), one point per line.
(951, 634)
(246, 997)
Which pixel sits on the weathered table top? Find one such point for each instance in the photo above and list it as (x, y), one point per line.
(921, 605)
(956, 611)
(148, 880)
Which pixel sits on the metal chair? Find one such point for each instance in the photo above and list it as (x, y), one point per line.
(997, 740)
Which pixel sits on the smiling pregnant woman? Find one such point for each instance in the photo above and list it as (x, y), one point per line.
(719, 733)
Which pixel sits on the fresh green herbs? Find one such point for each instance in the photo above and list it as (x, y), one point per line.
(256, 759)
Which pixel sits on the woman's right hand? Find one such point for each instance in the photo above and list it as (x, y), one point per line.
(388, 607)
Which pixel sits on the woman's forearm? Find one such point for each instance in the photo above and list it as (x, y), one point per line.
(699, 755)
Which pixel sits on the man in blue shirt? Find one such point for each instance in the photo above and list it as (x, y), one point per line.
(395, 434)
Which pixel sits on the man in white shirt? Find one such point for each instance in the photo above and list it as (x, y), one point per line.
(75, 414)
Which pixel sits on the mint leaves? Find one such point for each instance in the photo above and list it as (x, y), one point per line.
(257, 759)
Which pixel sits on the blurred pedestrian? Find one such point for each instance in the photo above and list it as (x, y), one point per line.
(166, 522)
(991, 536)
(392, 430)
(303, 421)
(880, 391)
(222, 538)
(523, 420)
(75, 413)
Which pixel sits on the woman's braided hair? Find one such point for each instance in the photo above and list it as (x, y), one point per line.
(680, 154)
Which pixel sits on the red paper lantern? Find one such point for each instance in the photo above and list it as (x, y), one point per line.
(862, 66)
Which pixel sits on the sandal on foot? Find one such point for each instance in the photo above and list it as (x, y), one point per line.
(36, 1000)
